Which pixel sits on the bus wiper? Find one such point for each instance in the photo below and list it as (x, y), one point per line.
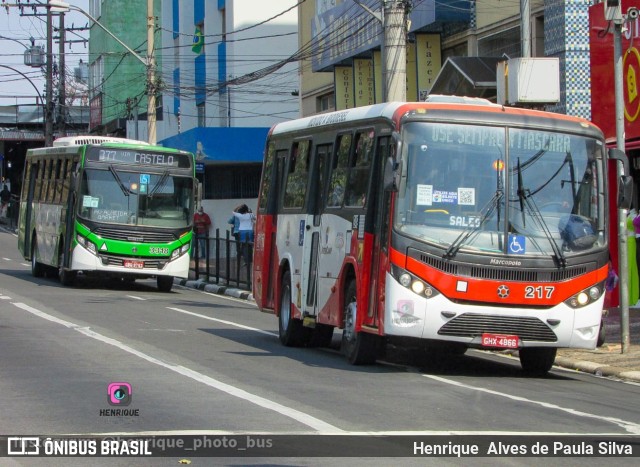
(469, 231)
(526, 202)
(161, 183)
(124, 189)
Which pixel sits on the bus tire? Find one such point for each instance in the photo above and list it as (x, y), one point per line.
(321, 336)
(360, 348)
(67, 278)
(165, 283)
(290, 330)
(602, 334)
(37, 269)
(537, 360)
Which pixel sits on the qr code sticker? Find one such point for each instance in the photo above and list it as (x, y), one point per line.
(467, 196)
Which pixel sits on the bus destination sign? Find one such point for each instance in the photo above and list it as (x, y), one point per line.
(138, 157)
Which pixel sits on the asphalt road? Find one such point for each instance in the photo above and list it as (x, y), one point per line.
(199, 363)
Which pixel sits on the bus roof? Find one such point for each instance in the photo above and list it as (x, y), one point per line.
(90, 139)
(393, 111)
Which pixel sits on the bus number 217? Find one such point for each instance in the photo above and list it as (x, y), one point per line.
(538, 292)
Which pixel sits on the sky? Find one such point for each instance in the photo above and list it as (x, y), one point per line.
(15, 31)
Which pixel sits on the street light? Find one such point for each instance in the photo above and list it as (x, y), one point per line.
(58, 6)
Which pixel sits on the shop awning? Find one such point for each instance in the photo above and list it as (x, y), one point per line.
(467, 76)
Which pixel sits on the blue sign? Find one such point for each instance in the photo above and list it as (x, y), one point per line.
(200, 167)
(517, 244)
(144, 179)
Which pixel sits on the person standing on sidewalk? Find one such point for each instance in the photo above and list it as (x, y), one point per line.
(245, 229)
(201, 224)
(5, 198)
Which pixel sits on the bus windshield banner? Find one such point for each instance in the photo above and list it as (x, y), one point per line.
(138, 157)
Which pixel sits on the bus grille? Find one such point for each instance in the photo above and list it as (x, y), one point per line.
(133, 236)
(149, 263)
(474, 325)
(503, 274)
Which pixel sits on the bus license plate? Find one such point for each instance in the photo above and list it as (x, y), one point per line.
(500, 340)
(134, 264)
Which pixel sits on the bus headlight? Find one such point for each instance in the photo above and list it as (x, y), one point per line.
(586, 296)
(89, 245)
(180, 251)
(417, 285)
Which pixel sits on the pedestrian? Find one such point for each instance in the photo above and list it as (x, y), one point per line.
(245, 229)
(201, 224)
(235, 230)
(5, 198)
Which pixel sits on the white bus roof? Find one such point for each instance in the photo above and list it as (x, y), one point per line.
(89, 139)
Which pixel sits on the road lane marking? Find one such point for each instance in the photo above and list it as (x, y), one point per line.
(301, 417)
(628, 426)
(230, 323)
(4, 297)
(135, 298)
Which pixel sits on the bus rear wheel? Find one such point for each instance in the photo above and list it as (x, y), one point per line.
(37, 269)
(290, 330)
(67, 278)
(360, 348)
(537, 360)
(165, 283)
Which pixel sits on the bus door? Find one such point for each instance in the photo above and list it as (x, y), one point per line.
(379, 212)
(28, 212)
(312, 237)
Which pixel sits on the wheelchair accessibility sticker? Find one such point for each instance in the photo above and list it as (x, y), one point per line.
(517, 244)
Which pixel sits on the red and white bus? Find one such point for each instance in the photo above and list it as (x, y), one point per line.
(447, 224)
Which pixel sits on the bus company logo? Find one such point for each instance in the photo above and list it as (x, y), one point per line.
(119, 394)
(503, 291)
(505, 262)
(23, 446)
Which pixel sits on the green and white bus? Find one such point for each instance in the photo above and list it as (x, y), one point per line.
(109, 206)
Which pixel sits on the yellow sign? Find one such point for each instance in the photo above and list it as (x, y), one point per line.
(377, 74)
(343, 82)
(412, 79)
(631, 67)
(363, 82)
(428, 62)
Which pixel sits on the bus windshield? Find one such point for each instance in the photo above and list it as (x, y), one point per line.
(502, 190)
(116, 196)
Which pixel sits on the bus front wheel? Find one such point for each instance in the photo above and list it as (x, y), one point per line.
(290, 330)
(537, 360)
(67, 278)
(37, 269)
(360, 348)
(165, 283)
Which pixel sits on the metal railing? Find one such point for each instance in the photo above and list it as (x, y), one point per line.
(226, 260)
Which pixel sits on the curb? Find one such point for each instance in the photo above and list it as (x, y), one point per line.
(215, 288)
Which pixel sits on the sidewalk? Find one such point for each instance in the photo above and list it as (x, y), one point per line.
(609, 360)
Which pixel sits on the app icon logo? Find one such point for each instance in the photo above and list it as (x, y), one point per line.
(119, 394)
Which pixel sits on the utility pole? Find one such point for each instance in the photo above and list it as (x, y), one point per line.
(48, 113)
(151, 71)
(613, 13)
(393, 18)
(394, 23)
(525, 27)
(62, 106)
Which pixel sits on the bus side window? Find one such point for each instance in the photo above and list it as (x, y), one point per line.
(360, 169)
(265, 189)
(296, 185)
(338, 180)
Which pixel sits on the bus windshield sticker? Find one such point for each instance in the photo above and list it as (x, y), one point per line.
(90, 202)
(450, 197)
(467, 196)
(517, 244)
(424, 195)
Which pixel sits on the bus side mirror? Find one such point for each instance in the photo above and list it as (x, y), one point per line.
(625, 191)
(625, 182)
(390, 175)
